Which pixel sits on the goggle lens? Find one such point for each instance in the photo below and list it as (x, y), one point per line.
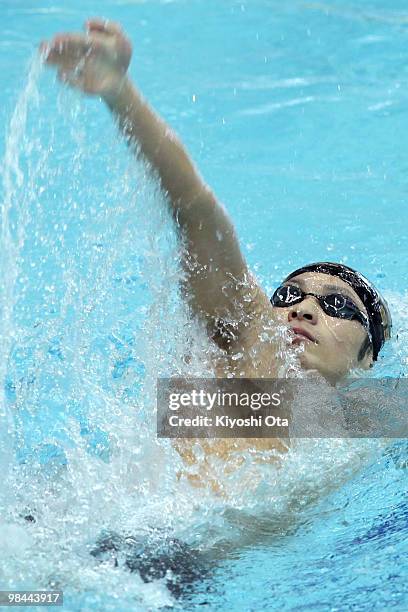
(334, 304)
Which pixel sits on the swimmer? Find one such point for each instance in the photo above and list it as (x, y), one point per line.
(334, 313)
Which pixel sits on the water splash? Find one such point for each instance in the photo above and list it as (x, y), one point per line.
(89, 282)
(18, 193)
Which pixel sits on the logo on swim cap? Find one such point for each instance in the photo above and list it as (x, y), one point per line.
(377, 308)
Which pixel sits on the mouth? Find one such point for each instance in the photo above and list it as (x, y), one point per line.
(302, 334)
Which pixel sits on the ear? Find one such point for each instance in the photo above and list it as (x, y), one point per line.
(365, 354)
(367, 362)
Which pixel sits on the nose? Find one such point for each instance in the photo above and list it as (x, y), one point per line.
(304, 311)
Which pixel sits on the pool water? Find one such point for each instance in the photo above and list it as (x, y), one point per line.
(295, 114)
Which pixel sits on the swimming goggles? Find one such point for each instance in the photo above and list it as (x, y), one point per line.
(333, 304)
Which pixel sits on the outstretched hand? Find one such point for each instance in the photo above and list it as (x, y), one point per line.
(95, 62)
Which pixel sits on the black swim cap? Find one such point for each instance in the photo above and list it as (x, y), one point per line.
(377, 309)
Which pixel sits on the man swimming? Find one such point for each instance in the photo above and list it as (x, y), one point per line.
(334, 313)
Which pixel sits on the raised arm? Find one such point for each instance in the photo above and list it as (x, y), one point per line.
(218, 285)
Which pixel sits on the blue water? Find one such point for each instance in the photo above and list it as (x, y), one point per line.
(296, 115)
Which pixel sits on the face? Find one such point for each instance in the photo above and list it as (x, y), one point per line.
(330, 345)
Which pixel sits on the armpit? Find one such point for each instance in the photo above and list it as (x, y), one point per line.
(224, 333)
(250, 310)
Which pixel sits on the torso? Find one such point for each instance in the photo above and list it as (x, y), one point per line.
(254, 356)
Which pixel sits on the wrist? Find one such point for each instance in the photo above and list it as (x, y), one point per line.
(114, 96)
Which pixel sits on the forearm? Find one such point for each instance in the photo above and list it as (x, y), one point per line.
(145, 130)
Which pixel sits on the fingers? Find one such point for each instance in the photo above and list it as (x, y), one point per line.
(69, 49)
(103, 25)
(66, 47)
(103, 44)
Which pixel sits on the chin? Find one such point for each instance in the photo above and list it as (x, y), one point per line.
(309, 362)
